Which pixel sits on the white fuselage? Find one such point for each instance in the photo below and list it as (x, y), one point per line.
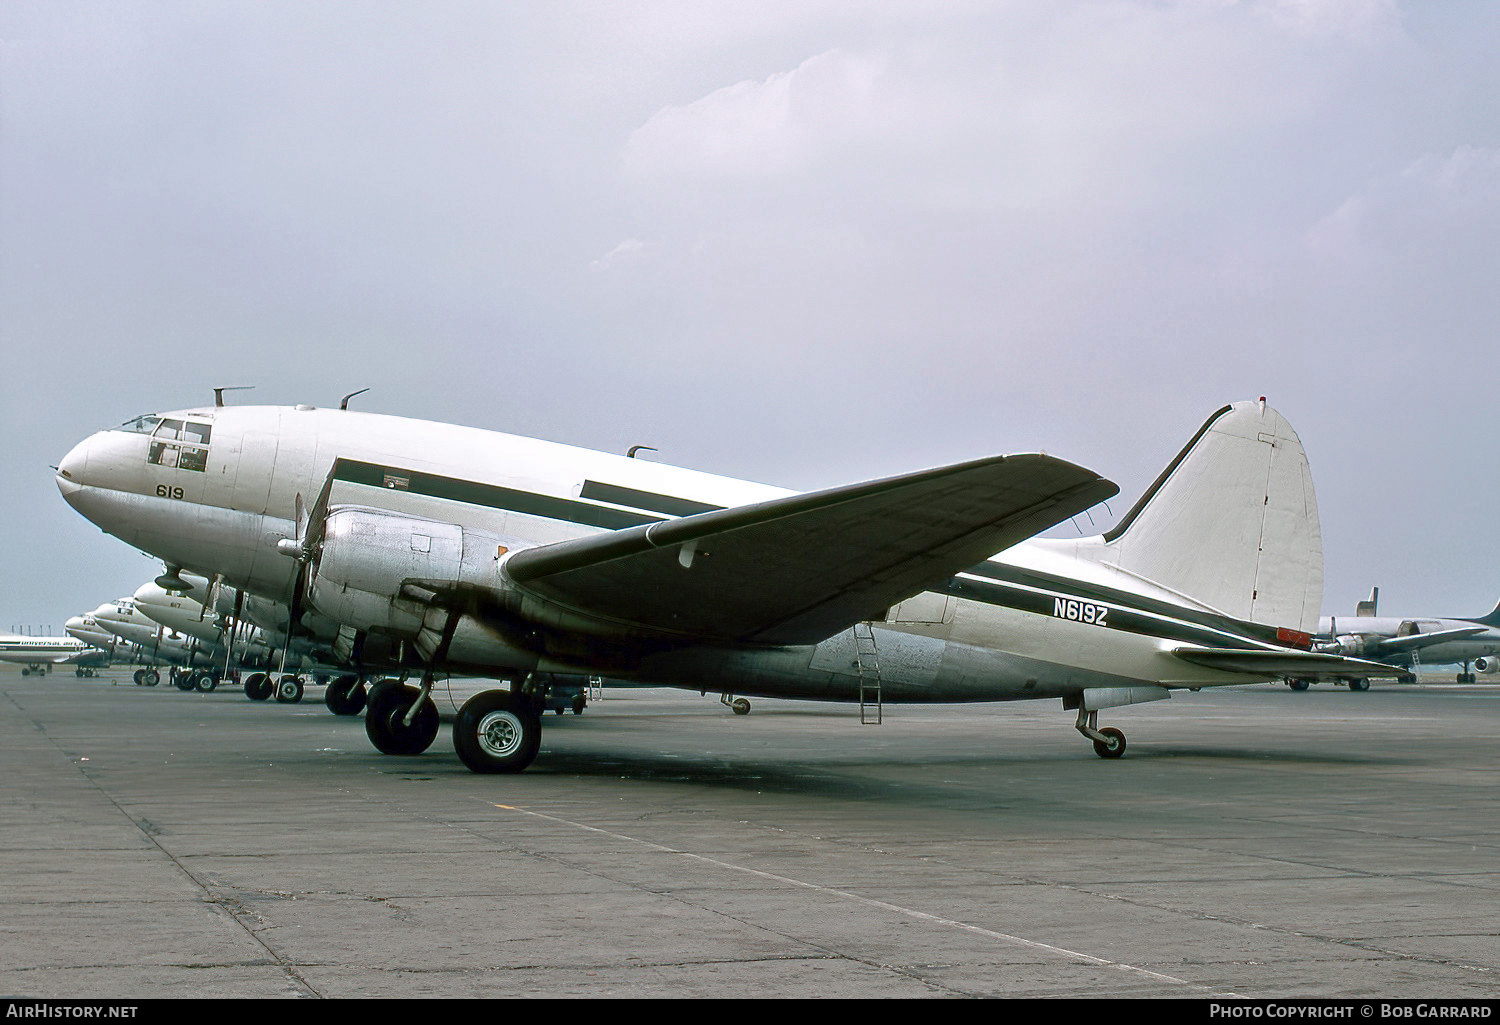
(46, 650)
(237, 480)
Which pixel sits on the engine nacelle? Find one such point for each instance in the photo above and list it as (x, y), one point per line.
(1487, 664)
(374, 568)
(1352, 645)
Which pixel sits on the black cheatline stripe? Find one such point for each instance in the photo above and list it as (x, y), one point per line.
(1125, 619)
(493, 496)
(648, 500)
(1110, 596)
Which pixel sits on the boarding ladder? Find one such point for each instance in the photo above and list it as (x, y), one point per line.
(867, 661)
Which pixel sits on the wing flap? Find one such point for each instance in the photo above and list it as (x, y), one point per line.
(1288, 662)
(797, 570)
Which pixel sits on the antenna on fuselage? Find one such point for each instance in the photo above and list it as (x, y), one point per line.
(345, 403)
(219, 392)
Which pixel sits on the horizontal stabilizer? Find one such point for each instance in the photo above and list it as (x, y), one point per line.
(797, 570)
(1271, 663)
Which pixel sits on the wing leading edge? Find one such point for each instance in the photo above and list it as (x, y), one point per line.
(797, 570)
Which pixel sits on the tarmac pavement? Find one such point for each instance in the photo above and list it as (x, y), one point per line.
(1253, 842)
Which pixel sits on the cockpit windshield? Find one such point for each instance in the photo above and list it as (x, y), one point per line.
(140, 425)
(182, 444)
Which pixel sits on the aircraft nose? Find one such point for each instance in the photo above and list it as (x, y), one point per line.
(74, 465)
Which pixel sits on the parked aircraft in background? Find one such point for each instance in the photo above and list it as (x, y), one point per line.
(435, 548)
(241, 644)
(37, 655)
(1409, 642)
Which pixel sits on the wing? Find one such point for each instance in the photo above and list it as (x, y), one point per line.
(797, 570)
(1413, 642)
(1271, 663)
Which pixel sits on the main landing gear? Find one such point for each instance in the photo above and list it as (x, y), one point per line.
(497, 731)
(346, 695)
(261, 686)
(1108, 742)
(402, 720)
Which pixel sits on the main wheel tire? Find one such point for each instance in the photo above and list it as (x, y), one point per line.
(1113, 746)
(1298, 684)
(497, 731)
(345, 696)
(387, 731)
(741, 706)
(207, 683)
(258, 686)
(140, 677)
(1359, 684)
(289, 690)
(152, 677)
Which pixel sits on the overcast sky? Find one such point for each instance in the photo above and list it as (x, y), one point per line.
(802, 243)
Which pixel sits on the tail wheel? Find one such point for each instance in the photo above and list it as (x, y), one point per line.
(1113, 744)
(497, 731)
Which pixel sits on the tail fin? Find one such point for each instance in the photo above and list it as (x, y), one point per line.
(1232, 522)
(1492, 619)
(1368, 607)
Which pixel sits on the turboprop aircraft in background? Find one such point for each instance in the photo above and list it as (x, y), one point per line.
(1409, 642)
(444, 549)
(39, 654)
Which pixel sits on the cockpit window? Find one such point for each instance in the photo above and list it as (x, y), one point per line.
(141, 424)
(182, 444)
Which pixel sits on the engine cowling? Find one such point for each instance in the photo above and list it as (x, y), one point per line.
(367, 556)
(1353, 645)
(1487, 664)
(393, 575)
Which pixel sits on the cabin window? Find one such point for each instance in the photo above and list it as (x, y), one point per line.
(180, 444)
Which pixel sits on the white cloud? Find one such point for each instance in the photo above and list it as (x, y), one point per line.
(628, 249)
(763, 129)
(1438, 200)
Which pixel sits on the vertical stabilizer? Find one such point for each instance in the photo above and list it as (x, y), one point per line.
(1367, 608)
(1232, 522)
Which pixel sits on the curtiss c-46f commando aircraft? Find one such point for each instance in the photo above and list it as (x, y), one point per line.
(445, 549)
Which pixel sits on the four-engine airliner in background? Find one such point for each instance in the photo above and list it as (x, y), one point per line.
(1410, 641)
(428, 548)
(40, 654)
